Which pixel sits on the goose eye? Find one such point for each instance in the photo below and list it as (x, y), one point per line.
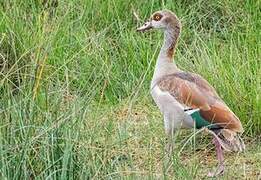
(157, 17)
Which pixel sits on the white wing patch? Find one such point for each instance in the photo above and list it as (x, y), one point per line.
(165, 97)
(171, 109)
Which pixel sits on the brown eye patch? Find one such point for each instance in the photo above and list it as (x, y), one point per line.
(157, 17)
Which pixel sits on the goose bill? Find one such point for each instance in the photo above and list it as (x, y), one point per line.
(145, 27)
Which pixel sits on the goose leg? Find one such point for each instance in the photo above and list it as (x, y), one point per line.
(169, 130)
(220, 157)
(170, 143)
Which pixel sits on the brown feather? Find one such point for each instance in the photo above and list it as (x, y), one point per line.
(193, 91)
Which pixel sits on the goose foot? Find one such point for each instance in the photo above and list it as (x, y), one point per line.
(219, 171)
(169, 148)
(220, 157)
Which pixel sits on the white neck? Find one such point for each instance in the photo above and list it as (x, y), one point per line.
(165, 64)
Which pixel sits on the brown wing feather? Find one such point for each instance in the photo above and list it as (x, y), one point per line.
(193, 91)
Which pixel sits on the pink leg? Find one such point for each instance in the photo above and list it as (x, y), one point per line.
(220, 157)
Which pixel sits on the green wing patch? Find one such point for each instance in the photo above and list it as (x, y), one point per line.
(199, 120)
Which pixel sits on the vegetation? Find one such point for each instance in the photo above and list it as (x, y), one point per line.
(74, 84)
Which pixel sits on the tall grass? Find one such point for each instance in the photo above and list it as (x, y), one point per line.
(74, 83)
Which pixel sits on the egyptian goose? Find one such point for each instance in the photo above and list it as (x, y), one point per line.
(185, 99)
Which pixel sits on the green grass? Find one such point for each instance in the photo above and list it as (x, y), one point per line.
(74, 84)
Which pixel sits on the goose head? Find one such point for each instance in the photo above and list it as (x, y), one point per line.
(165, 20)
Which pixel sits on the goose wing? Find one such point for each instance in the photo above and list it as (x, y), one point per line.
(193, 91)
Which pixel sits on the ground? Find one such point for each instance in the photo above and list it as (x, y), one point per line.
(142, 154)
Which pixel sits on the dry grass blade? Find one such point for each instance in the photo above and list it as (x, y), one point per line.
(39, 74)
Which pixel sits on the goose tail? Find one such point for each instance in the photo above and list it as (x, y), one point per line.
(229, 140)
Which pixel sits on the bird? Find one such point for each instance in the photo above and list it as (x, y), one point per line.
(186, 99)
